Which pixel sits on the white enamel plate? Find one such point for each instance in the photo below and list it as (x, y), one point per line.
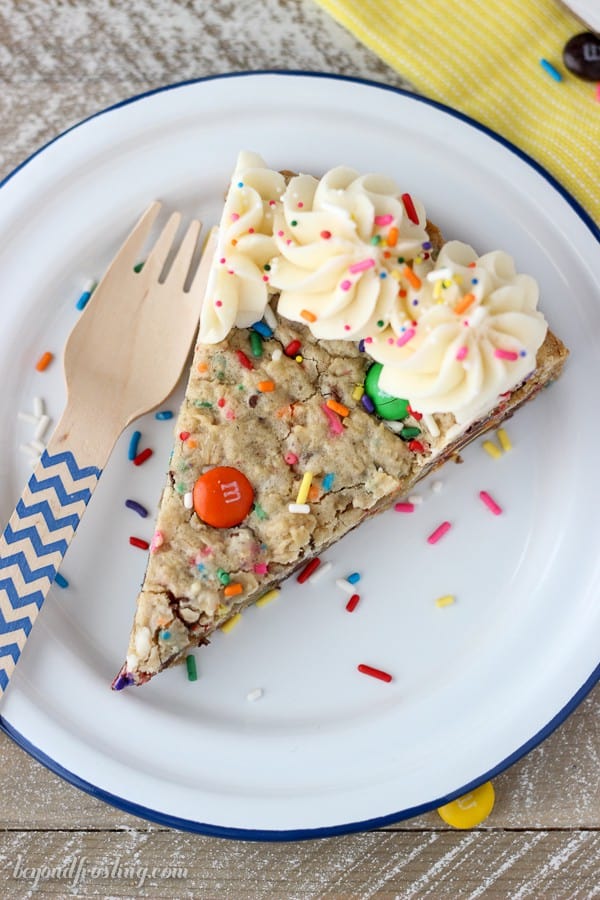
(476, 684)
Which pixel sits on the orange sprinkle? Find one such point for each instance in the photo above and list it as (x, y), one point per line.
(464, 303)
(192, 444)
(339, 408)
(411, 277)
(44, 361)
(313, 492)
(471, 265)
(266, 386)
(392, 238)
(203, 367)
(232, 589)
(306, 314)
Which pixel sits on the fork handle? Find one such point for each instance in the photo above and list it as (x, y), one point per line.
(34, 543)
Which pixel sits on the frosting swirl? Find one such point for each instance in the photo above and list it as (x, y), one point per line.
(465, 332)
(339, 241)
(238, 286)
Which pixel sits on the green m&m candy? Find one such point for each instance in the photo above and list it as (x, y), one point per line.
(386, 406)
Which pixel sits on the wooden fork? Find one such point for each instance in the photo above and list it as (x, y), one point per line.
(122, 359)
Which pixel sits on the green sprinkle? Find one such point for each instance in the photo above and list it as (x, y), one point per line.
(261, 514)
(408, 433)
(192, 672)
(223, 576)
(376, 239)
(400, 259)
(267, 267)
(203, 404)
(138, 267)
(221, 376)
(256, 344)
(381, 323)
(181, 488)
(293, 223)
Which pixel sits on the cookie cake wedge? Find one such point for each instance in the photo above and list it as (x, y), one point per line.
(344, 352)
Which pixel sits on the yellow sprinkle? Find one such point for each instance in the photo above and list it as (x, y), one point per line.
(395, 273)
(358, 392)
(470, 809)
(437, 290)
(299, 358)
(504, 440)
(492, 449)
(266, 598)
(304, 487)
(231, 623)
(446, 600)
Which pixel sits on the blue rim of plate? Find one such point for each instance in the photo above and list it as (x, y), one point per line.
(245, 834)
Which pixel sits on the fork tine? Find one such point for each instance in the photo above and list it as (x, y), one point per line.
(130, 250)
(181, 264)
(201, 276)
(160, 251)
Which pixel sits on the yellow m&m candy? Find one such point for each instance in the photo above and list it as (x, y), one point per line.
(471, 809)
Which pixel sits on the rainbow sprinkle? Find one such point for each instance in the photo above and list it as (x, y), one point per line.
(439, 533)
(490, 503)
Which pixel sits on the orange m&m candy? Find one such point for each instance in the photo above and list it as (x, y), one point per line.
(223, 497)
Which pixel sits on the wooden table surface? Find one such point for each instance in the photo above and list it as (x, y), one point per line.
(61, 60)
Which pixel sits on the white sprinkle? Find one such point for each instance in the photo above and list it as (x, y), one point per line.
(416, 499)
(256, 694)
(396, 427)
(431, 425)
(38, 446)
(270, 318)
(277, 354)
(188, 500)
(436, 486)
(322, 570)
(439, 274)
(302, 508)
(28, 450)
(39, 407)
(345, 586)
(42, 427)
(27, 417)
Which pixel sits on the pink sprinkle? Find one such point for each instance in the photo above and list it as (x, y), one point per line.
(272, 203)
(404, 507)
(291, 459)
(300, 204)
(218, 303)
(230, 414)
(280, 233)
(222, 260)
(461, 353)
(384, 220)
(406, 337)
(368, 340)
(265, 277)
(490, 503)
(261, 568)
(439, 533)
(506, 354)
(157, 541)
(598, 92)
(390, 340)
(361, 266)
(335, 426)
(346, 285)
(235, 217)
(346, 327)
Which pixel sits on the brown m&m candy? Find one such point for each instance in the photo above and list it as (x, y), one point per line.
(581, 56)
(223, 497)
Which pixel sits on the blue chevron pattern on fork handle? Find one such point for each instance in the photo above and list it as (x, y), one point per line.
(33, 545)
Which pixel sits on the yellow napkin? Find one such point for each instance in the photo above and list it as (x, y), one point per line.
(482, 57)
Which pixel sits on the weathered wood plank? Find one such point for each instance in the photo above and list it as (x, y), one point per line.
(382, 865)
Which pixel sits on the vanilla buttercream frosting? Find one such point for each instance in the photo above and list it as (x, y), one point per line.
(238, 285)
(339, 239)
(467, 333)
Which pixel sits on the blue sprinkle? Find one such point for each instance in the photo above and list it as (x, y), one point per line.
(426, 245)
(415, 302)
(163, 414)
(361, 346)
(82, 302)
(122, 681)
(367, 403)
(353, 578)
(240, 184)
(133, 444)
(263, 329)
(383, 274)
(327, 481)
(137, 507)
(523, 353)
(474, 280)
(549, 68)
(61, 581)
(166, 635)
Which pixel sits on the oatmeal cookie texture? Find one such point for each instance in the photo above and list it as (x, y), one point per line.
(344, 352)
